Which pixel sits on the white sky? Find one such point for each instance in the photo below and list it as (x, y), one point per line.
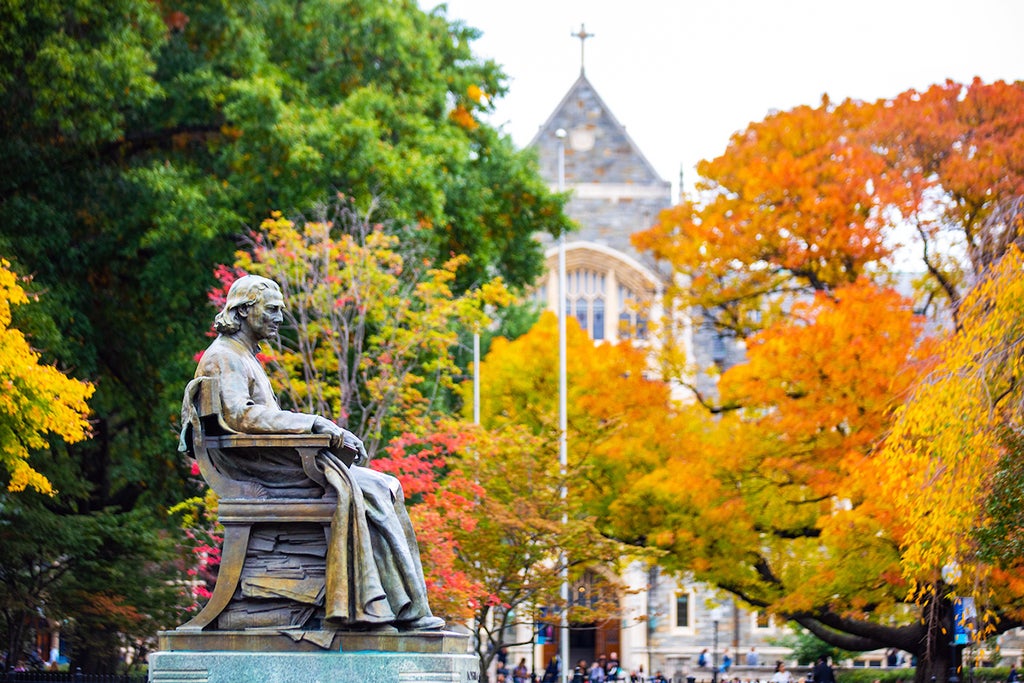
(683, 75)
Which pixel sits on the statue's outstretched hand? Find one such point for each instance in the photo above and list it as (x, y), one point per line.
(353, 442)
(321, 425)
(342, 439)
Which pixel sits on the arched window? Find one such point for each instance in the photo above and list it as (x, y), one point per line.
(585, 300)
(632, 315)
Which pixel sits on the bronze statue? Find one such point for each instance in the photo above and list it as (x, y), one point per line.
(372, 576)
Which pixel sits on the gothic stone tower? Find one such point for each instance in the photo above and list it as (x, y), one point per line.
(615, 192)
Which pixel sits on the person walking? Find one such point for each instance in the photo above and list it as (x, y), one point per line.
(521, 674)
(781, 675)
(823, 671)
(579, 674)
(552, 671)
(612, 671)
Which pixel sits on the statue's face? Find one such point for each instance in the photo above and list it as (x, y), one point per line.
(265, 316)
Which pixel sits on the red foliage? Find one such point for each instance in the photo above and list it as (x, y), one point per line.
(441, 502)
(418, 461)
(225, 275)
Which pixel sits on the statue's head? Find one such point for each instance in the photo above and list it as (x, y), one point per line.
(244, 292)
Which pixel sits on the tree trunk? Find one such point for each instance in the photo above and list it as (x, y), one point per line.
(938, 656)
(98, 652)
(15, 639)
(934, 669)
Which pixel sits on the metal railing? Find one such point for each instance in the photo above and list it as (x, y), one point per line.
(68, 677)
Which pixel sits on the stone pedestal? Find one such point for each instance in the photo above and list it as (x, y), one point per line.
(273, 657)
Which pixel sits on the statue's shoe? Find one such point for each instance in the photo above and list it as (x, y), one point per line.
(374, 628)
(359, 626)
(422, 624)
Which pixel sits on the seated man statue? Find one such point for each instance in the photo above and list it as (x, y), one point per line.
(373, 574)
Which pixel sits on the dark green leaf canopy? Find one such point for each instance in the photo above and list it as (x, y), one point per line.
(140, 139)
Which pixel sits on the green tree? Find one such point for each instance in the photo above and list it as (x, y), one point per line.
(141, 137)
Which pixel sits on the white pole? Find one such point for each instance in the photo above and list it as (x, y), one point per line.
(476, 421)
(563, 421)
(476, 378)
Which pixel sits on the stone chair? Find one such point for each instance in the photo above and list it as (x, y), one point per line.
(290, 508)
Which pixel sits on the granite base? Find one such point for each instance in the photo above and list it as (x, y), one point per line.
(356, 659)
(311, 667)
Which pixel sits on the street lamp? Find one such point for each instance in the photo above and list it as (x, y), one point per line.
(951, 575)
(716, 616)
(563, 422)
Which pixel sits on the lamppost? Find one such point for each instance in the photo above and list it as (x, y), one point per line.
(950, 575)
(714, 655)
(563, 423)
(716, 616)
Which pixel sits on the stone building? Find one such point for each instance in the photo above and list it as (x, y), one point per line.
(615, 193)
(614, 292)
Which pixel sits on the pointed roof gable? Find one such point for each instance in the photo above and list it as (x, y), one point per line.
(598, 149)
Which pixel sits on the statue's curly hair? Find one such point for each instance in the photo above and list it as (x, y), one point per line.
(245, 291)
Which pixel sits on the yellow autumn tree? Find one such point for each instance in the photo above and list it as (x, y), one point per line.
(622, 422)
(370, 320)
(36, 400)
(937, 466)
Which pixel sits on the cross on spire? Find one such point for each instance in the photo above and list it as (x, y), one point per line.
(582, 35)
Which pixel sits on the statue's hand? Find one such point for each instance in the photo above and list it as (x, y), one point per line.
(353, 442)
(324, 426)
(341, 439)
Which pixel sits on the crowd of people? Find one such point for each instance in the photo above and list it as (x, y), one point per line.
(609, 670)
(32, 660)
(603, 670)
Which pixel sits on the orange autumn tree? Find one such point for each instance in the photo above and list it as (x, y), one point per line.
(808, 199)
(805, 208)
(622, 421)
(767, 503)
(958, 153)
(787, 209)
